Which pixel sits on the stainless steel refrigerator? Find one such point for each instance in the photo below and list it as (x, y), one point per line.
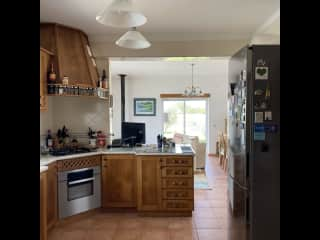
(254, 139)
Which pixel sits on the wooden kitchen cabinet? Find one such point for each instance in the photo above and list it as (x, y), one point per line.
(44, 63)
(149, 183)
(43, 206)
(52, 193)
(119, 180)
(73, 56)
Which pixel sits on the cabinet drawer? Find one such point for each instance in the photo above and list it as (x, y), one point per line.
(177, 194)
(177, 205)
(176, 172)
(177, 183)
(176, 161)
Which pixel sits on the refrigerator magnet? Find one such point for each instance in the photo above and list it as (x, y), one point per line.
(258, 117)
(268, 116)
(261, 73)
(259, 136)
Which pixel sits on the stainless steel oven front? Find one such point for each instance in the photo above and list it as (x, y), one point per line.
(79, 190)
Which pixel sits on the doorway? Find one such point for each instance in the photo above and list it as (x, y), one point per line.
(187, 118)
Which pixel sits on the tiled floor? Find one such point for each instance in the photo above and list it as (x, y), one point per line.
(211, 220)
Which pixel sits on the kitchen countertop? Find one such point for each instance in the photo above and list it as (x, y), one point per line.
(47, 159)
(43, 168)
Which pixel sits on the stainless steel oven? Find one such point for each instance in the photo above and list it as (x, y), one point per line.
(79, 190)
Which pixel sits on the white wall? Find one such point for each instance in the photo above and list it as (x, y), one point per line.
(150, 78)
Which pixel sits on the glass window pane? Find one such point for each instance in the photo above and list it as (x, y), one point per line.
(173, 118)
(196, 119)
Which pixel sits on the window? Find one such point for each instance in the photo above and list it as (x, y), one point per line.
(185, 116)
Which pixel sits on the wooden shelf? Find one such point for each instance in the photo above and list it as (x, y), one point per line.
(67, 95)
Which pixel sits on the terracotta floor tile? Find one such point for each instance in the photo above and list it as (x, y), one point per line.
(204, 213)
(74, 235)
(130, 223)
(212, 234)
(155, 234)
(202, 204)
(181, 223)
(100, 234)
(181, 234)
(104, 223)
(209, 223)
(155, 222)
(127, 234)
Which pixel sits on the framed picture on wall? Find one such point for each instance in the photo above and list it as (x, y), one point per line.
(144, 106)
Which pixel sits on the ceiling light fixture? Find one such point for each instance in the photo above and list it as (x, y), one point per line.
(192, 91)
(122, 14)
(133, 39)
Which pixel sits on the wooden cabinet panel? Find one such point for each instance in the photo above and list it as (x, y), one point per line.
(71, 55)
(44, 61)
(71, 58)
(178, 205)
(176, 161)
(177, 172)
(52, 193)
(177, 194)
(119, 181)
(43, 206)
(149, 183)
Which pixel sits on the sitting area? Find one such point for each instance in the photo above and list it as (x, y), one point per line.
(198, 147)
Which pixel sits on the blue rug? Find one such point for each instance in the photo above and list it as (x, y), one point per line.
(201, 181)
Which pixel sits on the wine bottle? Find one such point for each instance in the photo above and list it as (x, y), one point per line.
(49, 139)
(52, 75)
(103, 79)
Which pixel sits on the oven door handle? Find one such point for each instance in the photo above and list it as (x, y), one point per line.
(81, 181)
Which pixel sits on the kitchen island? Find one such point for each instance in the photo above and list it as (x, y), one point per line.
(155, 182)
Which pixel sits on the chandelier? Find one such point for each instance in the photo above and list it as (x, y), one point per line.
(192, 91)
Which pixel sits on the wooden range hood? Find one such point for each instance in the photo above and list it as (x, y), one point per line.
(72, 54)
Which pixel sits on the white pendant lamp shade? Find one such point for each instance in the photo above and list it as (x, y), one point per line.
(133, 39)
(121, 14)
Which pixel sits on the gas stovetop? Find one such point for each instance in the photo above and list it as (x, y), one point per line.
(69, 151)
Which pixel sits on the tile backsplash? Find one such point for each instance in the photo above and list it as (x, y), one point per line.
(76, 113)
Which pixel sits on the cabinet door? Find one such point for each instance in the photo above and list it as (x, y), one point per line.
(52, 205)
(119, 181)
(71, 55)
(44, 61)
(149, 183)
(43, 206)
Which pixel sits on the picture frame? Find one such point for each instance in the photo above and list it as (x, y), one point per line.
(144, 106)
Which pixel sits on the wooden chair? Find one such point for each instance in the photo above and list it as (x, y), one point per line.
(225, 162)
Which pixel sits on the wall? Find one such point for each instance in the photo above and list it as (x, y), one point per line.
(150, 78)
(76, 113)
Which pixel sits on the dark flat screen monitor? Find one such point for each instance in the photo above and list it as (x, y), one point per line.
(133, 133)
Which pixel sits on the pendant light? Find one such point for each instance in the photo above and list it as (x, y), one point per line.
(121, 14)
(192, 91)
(133, 39)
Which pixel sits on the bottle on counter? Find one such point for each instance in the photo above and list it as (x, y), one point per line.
(49, 140)
(52, 76)
(103, 79)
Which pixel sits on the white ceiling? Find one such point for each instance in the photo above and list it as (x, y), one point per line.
(171, 19)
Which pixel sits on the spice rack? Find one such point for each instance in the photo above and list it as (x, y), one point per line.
(77, 91)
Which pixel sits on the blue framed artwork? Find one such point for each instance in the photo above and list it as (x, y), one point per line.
(144, 106)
